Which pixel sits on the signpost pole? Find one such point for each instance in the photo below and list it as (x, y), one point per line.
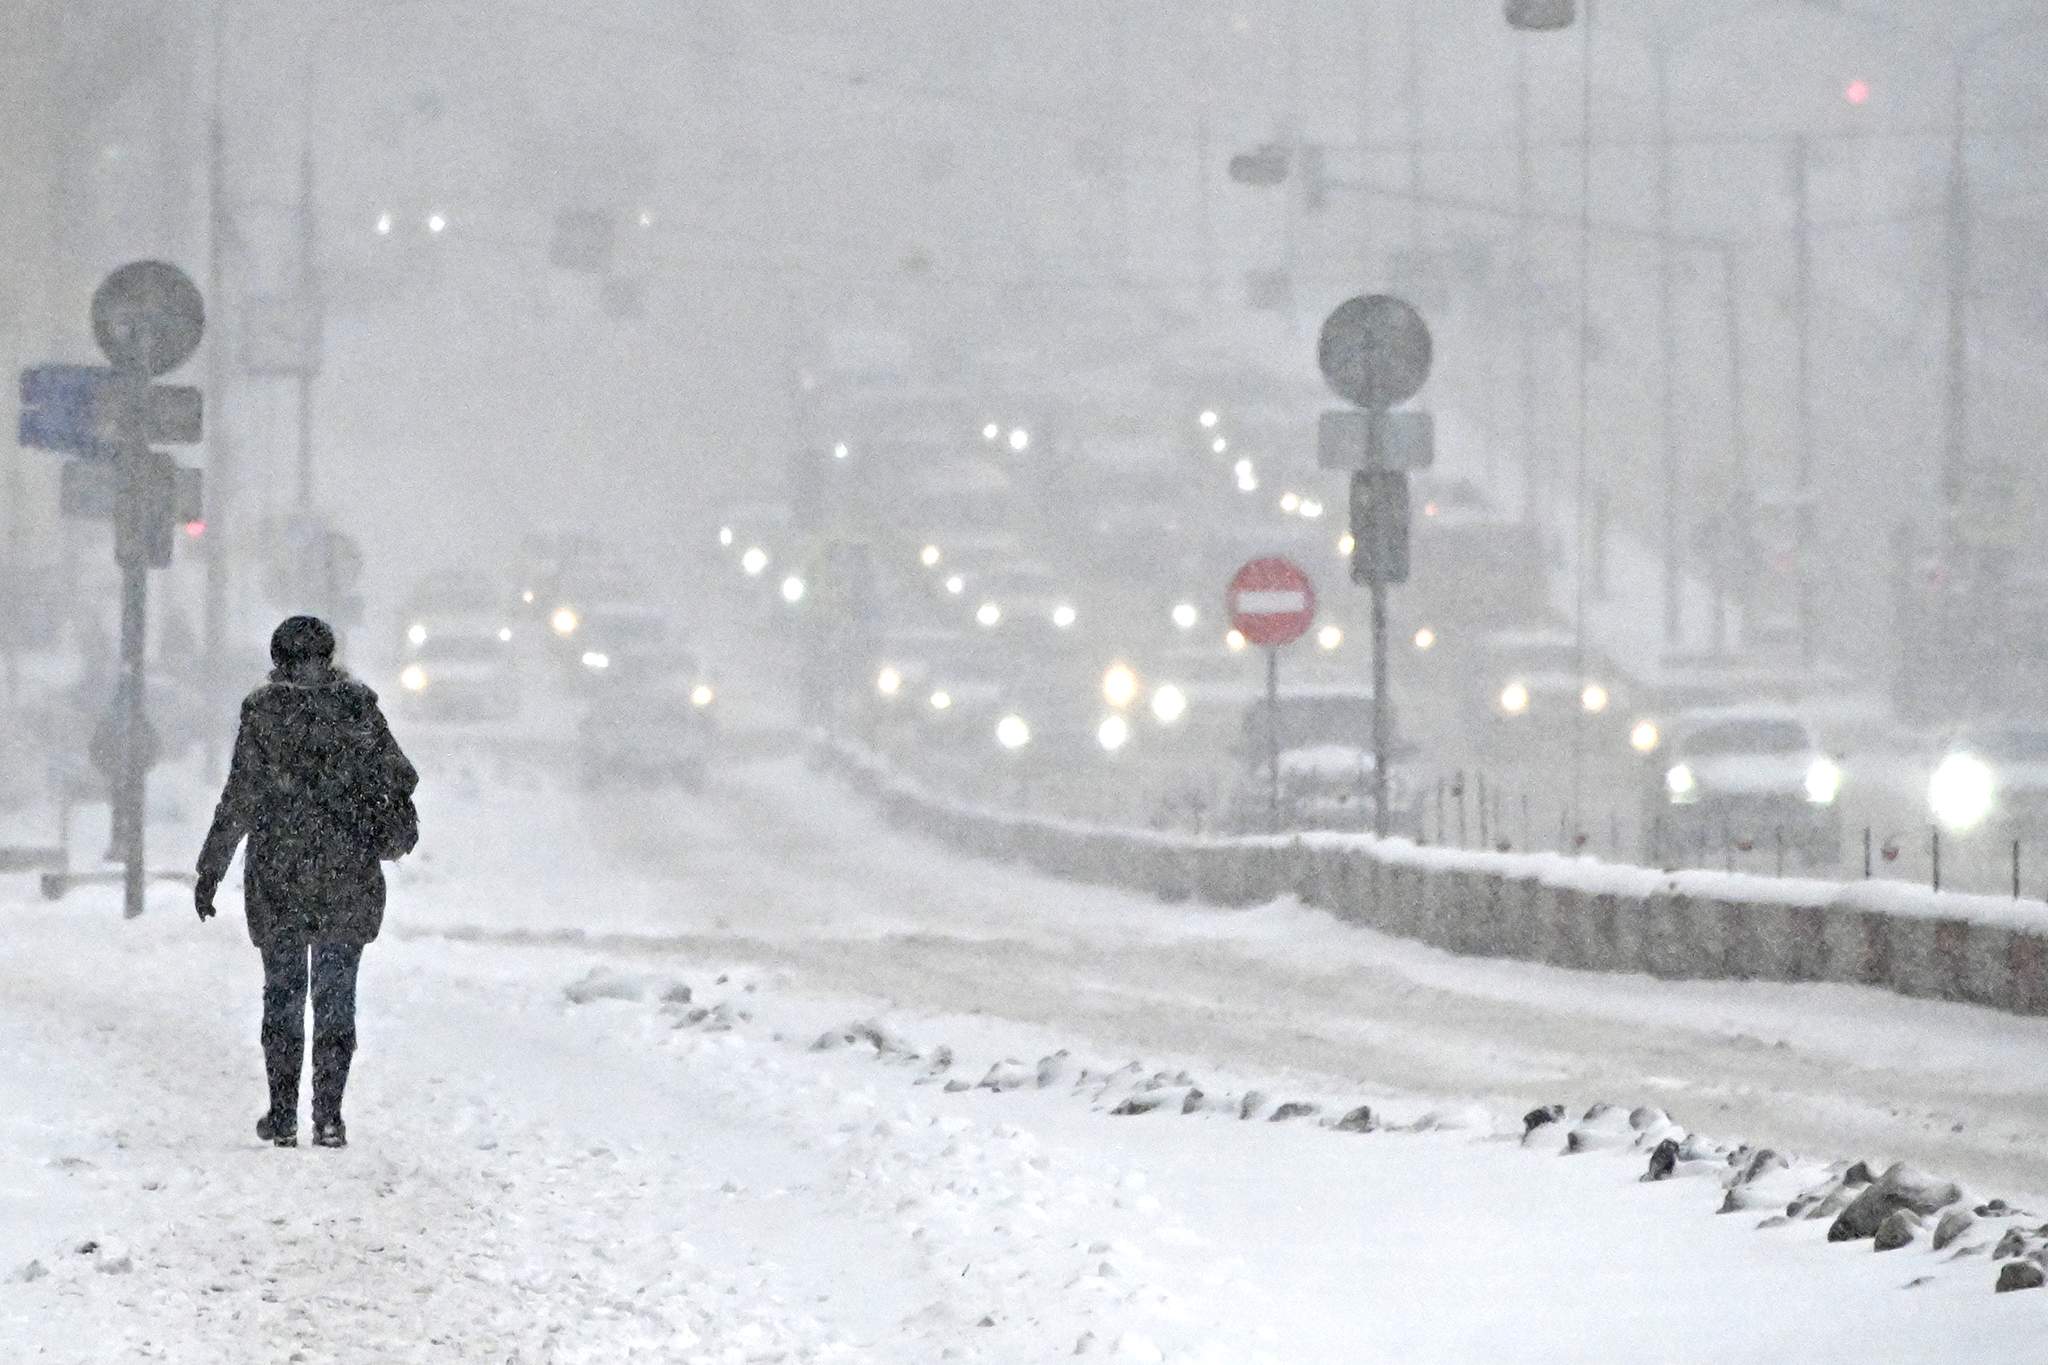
(1273, 738)
(131, 549)
(1380, 727)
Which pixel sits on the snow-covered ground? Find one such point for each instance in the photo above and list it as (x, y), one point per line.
(557, 1158)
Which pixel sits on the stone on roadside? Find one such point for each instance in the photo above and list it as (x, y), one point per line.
(1294, 1109)
(1359, 1120)
(1252, 1103)
(1663, 1161)
(1898, 1229)
(2019, 1275)
(1953, 1224)
(1008, 1074)
(1900, 1187)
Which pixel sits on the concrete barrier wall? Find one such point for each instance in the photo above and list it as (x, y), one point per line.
(1536, 908)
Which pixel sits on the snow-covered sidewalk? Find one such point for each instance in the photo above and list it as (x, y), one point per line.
(559, 1158)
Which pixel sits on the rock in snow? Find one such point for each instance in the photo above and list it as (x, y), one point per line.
(1953, 1224)
(1294, 1109)
(1359, 1120)
(1900, 1187)
(1539, 1116)
(1663, 1161)
(1898, 1229)
(1008, 1074)
(1756, 1164)
(602, 983)
(2020, 1275)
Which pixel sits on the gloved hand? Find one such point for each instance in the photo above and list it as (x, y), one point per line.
(202, 900)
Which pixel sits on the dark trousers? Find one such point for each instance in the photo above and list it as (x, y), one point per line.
(333, 978)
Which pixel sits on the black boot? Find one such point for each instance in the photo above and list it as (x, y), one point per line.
(330, 1133)
(278, 1132)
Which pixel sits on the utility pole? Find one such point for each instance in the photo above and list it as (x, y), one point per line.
(219, 454)
(1411, 98)
(1667, 329)
(1802, 313)
(1956, 400)
(1525, 266)
(309, 306)
(1735, 516)
(1205, 213)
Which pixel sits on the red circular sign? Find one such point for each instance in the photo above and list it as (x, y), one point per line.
(1271, 602)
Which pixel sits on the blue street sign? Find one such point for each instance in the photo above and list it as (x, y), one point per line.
(89, 410)
(60, 407)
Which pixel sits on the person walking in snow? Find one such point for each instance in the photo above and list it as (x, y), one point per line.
(323, 792)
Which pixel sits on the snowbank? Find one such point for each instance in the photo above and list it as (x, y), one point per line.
(1538, 907)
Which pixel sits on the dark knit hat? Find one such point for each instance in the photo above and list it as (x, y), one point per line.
(301, 639)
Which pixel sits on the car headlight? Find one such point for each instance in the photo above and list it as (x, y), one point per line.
(889, 682)
(1012, 733)
(1185, 616)
(1962, 792)
(702, 696)
(1169, 704)
(1645, 738)
(1514, 698)
(1064, 616)
(1681, 785)
(1823, 781)
(564, 621)
(942, 700)
(1113, 733)
(792, 590)
(988, 614)
(416, 634)
(1119, 686)
(1593, 698)
(413, 678)
(1425, 640)
(596, 659)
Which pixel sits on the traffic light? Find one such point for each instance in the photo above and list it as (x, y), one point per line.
(1379, 526)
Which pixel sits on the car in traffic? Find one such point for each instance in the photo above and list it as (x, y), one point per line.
(459, 668)
(1323, 748)
(1742, 779)
(654, 719)
(615, 637)
(1537, 688)
(1992, 780)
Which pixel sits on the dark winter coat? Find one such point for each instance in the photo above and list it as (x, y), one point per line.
(312, 756)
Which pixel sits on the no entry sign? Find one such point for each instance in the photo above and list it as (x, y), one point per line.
(1271, 602)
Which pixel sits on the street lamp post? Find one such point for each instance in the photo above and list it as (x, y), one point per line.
(1961, 271)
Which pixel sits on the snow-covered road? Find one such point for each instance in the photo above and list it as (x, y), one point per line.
(536, 1178)
(861, 909)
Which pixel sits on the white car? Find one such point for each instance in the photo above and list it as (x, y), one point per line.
(1325, 761)
(459, 668)
(1745, 778)
(1992, 777)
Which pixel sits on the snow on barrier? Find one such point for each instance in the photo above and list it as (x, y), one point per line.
(1536, 907)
